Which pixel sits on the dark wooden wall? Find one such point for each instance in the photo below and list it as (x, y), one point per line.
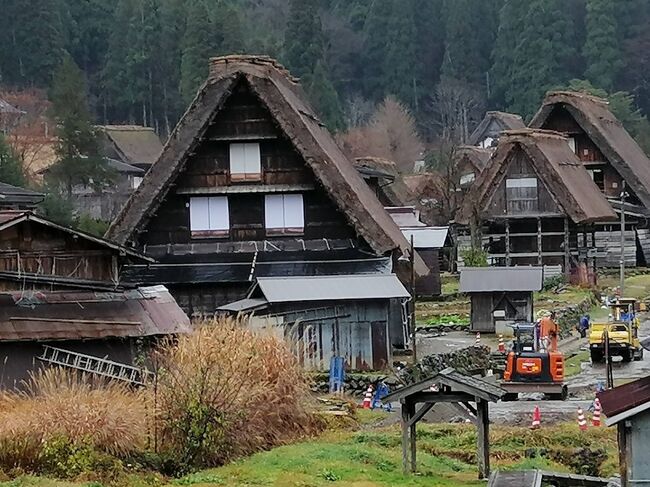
(429, 285)
(244, 118)
(519, 166)
(34, 248)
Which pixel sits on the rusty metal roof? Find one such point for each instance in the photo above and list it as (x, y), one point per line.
(625, 401)
(62, 315)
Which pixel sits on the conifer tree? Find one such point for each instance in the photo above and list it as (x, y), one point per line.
(77, 148)
(11, 168)
(602, 49)
(544, 56)
(375, 46)
(325, 99)
(197, 47)
(303, 39)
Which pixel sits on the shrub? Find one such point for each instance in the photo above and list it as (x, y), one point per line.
(474, 257)
(224, 391)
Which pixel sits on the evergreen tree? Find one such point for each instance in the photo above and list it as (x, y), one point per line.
(11, 168)
(36, 41)
(197, 47)
(602, 49)
(400, 61)
(469, 39)
(325, 99)
(511, 24)
(172, 27)
(77, 149)
(303, 39)
(377, 38)
(544, 57)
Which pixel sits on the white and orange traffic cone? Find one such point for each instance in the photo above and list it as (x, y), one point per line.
(477, 342)
(595, 419)
(367, 400)
(582, 422)
(537, 419)
(502, 346)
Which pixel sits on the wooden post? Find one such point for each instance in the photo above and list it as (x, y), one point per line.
(405, 436)
(593, 260)
(507, 242)
(539, 241)
(483, 439)
(622, 452)
(567, 249)
(412, 437)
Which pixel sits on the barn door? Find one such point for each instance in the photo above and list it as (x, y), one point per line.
(379, 345)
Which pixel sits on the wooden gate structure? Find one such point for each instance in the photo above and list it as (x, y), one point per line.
(452, 387)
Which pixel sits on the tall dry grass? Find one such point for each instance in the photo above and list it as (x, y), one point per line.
(224, 391)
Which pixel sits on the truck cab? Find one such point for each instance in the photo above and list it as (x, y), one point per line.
(621, 330)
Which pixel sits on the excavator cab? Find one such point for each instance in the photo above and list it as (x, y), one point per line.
(534, 364)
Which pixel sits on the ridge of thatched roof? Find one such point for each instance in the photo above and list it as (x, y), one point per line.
(133, 143)
(505, 120)
(555, 164)
(607, 132)
(286, 102)
(477, 156)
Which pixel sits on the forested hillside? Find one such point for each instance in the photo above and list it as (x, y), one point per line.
(447, 60)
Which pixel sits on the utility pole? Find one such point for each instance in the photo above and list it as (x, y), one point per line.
(413, 325)
(622, 262)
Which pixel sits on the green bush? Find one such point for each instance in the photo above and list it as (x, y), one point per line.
(474, 257)
(64, 459)
(553, 282)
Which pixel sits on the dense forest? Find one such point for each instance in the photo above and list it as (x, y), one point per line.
(446, 60)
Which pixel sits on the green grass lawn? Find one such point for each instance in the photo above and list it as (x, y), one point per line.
(572, 365)
(372, 458)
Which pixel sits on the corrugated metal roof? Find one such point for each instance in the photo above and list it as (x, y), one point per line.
(34, 316)
(247, 304)
(631, 398)
(488, 279)
(426, 237)
(325, 288)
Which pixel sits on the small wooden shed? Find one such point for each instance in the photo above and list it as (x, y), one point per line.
(500, 296)
(628, 407)
(453, 387)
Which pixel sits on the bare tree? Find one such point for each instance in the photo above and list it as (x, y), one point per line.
(390, 134)
(457, 107)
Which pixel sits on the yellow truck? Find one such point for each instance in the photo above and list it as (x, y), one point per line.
(623, 330)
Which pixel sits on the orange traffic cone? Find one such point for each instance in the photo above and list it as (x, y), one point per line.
(477, 343)
(367, 400)
(537, 419)
(502, 346)
(582, 422)
(595, 419)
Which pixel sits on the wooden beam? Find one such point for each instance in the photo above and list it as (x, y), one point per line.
(405, 437)
(413, 438)
(471, 408)
(421, 412)
(483, 439)
(426, 396)
(539, 241)
(622, 452)
(507, 242)
(567, 250)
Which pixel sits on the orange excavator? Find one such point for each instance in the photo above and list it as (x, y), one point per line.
(535, 364)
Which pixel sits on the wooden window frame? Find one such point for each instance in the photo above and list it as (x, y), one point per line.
(270, 199)
(207, 231)
(252, 157)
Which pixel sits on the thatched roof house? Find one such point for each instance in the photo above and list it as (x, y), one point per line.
(486, 134)
(131, 144)
(384, 179)
(469, 162)
(599, 139)
(572, 191)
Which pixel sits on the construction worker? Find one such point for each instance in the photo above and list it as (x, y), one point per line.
(583, 325)
(549, 329)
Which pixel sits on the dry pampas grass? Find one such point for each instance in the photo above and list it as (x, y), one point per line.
(60, 404)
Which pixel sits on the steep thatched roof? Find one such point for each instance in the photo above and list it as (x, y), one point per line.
(476, 156)
(133, 144)
(502, 120)
(6, 107)
(556, 165)
(286, 102)
(607, 132)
